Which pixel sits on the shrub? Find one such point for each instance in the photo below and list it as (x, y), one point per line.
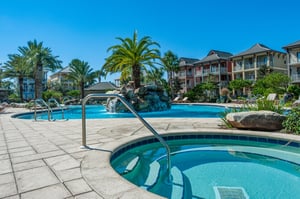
(260, 105)
(292, 122)
(52, 94)
(14, 98)
(267, 105)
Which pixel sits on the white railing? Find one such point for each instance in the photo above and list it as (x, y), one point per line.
(295, 77)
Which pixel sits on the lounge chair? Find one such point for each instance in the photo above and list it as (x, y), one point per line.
(176, 99)
(184, 100)
(273, 97)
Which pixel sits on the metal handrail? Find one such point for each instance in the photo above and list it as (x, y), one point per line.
(58, 105)
(44, 103)
(129, 106)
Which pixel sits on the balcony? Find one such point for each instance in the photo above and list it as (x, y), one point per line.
(224, 70)
(181, 74)
(189, 74)
(198, 73)
(261, 63)
(295, 78)
(248, 66)
(237, 68)
(206, 72)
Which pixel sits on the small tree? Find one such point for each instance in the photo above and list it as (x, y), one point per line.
(81, 73)
(272, 83)
(239, 84)
(292, 123)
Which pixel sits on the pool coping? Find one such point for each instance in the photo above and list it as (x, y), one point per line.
(92, 165)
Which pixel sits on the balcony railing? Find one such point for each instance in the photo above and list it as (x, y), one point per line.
(261, 63)
(248, 66)
(206, 71)
(295, 77)
(237, 68)
(198, 73)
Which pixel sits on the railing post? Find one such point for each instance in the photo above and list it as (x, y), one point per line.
(84, 122)
(130, 108)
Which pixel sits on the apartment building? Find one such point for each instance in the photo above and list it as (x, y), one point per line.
(60, 77)
(186, 73)
(216, 67)
(28, 87)
(246, 65)
(293, 61)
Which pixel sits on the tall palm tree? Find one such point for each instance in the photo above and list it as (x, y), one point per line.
(132, 56)
(16, 67)
(170, 63)
(156, 76)
(98, 74)
(40, 58)
(81, 73)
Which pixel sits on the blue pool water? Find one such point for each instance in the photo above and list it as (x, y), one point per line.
(231, 167)
(99, 111)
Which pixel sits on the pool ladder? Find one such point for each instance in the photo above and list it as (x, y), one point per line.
(49, 109)
(129, 106)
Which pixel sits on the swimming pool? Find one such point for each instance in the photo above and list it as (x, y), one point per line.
(99, 112)
(213, 166)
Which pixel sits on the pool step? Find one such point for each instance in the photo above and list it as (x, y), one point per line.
(153, 175)
(129, 167)
(177, 184)
(132, 164)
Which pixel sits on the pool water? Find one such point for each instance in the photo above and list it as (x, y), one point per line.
(99, 111)
(214, 168)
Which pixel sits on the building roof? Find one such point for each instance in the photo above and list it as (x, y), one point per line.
(291, 45)
(186, 61)
(215, 55)
(64, 70)
(257, 48)
(102, 86)
(221, 54)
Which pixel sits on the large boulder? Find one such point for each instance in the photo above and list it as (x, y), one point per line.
(256, 120)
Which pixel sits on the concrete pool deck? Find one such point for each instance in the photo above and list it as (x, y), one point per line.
(44, 160)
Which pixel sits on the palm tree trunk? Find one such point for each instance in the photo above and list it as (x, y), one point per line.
(82, 89)
(21, 89)
(136, 76)
(38, 86)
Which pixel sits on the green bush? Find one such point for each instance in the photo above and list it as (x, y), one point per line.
(14, 98)
(292, 122)
(267, 105)
(260, 105)
(52, 94)
(74, 93)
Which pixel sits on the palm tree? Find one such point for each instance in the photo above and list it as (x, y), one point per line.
(130, 56)
(98, 74)
(16, 67)
(171, 64)
(156, 76)
(39, 58)
(81, 73)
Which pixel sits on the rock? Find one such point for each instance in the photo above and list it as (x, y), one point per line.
(256, 120)
(143, 99)
(296, 103)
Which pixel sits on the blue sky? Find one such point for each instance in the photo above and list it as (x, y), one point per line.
(85, 29)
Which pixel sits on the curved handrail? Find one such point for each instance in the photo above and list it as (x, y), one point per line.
(129, 106)
(58, 105)
(45, 104)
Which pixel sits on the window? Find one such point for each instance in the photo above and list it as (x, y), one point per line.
(271, 60)
(298, 56)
